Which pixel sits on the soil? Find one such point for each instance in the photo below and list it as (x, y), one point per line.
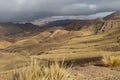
(96, 73)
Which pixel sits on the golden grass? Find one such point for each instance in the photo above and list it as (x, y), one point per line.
(111, 61)
(55, 71)
(12, 61)
(4, 44)
(83, 45)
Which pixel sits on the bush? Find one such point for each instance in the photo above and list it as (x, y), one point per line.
(111, 61)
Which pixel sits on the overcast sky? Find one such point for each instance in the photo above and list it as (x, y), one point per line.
(27, 10)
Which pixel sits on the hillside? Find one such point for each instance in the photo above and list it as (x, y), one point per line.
(56, 35)
(82, 43)
(12, 30)
(53, 33)
(114, 15)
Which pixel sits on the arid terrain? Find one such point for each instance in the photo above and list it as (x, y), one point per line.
(91, 48)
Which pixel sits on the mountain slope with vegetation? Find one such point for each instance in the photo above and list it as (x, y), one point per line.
(79, 42)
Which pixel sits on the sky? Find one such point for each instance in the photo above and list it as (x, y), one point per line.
(29, 10)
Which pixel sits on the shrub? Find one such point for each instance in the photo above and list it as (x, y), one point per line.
(111, 61)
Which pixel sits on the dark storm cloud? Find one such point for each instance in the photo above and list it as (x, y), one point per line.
(26, 10)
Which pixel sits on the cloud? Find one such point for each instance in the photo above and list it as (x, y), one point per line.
(78, 8)
(27, 10)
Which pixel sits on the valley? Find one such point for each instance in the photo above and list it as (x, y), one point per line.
(81, 43)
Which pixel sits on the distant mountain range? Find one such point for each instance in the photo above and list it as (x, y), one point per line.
(13, 32)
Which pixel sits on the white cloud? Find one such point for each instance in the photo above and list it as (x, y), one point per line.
(83, 5)
(94, 7)
(79, 8)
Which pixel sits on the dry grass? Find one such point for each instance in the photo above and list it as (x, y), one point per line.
(111, 61)
(12, 61)
(55, 71)
(4, 44)
(82, 46)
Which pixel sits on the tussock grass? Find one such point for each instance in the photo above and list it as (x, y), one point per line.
(111, 61)
(55, 71)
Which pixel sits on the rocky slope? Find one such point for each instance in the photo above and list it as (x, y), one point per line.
(115, 15)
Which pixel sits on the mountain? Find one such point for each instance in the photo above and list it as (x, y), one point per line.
(27, 36)
(55, 18)
(115, 15)
(11, 30)
(77, 41)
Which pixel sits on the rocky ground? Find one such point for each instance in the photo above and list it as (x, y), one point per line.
(89, 72)
(96, 73)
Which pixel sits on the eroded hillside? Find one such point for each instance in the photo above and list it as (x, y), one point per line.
(56, 36)
(79, 42)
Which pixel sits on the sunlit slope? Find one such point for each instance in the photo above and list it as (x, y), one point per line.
(85, 37)
(79, 44)
(100, 37)
(4, 44)
(89, 43)
(42, 41)
(12, 61)
(86, 44)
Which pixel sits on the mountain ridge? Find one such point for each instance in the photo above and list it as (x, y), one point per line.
(114, 15)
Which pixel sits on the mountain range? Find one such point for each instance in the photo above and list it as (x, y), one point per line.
(55, 31)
